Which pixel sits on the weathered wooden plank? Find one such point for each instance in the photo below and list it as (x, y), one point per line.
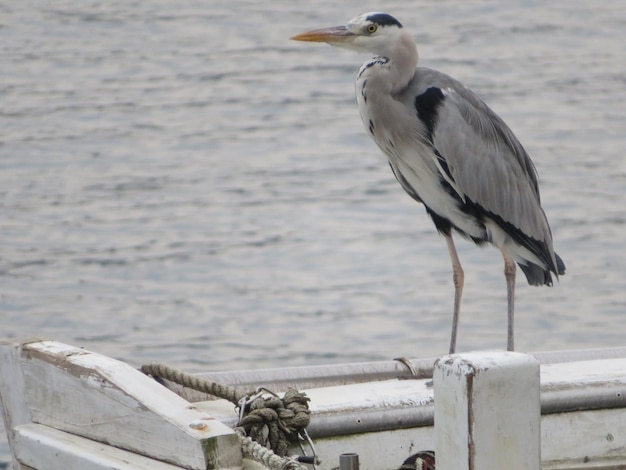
(584, 439)
(15, 410)
(377, 450)
(102, 399)
(44, 448)
(569, 441)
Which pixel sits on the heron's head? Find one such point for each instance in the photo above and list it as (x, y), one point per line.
(374, 32)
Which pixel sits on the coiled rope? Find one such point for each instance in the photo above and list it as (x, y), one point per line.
(267, 425)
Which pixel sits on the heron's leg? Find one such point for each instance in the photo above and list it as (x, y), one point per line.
(458, 277)
(509, 276)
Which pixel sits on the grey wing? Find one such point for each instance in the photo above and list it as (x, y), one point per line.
(482, 159)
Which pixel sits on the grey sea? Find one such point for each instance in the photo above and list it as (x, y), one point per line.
(179, 182)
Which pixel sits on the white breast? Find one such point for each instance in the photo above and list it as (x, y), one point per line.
(396, 132)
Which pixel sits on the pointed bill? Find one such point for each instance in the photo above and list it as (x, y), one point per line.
(335, 34)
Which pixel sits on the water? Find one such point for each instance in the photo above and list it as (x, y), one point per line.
(181, 183)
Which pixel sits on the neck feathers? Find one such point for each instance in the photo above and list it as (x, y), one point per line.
(392, 69)
(403, 61)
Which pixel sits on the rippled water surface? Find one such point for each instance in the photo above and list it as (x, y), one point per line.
(179, 182)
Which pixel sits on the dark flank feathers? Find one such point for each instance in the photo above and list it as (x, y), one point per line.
(535, 275)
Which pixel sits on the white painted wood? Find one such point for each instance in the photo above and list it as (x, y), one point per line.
(15, 410)
(584, 439)
(569, 440)
(386, 421)
(45, 448)
(385, 394)
(377, 450)
(102, 399)
(487, 411)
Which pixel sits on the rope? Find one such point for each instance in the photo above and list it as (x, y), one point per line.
(255, 451)
(276, 423)
(179, 377)
(267, 425)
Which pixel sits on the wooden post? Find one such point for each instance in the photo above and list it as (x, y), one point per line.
(487, 411)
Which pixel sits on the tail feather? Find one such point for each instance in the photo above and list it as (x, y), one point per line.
(560, 265)
(538, 275)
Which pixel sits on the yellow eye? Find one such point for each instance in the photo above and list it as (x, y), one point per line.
(372, 28)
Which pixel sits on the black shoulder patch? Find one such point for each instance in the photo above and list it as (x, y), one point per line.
(383, 19)
(426, 105)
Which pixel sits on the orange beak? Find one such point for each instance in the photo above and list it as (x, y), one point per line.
(333, 35)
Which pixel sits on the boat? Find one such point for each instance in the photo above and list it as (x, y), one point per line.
(65, 407)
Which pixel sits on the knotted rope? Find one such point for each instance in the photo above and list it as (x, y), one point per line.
(267, 425)
(277, 422)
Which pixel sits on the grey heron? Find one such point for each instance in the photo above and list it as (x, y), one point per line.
(451, 152)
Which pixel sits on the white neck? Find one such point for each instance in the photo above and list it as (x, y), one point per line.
(403, 61)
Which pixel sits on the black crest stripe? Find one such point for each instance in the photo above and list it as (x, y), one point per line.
(383, 19)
